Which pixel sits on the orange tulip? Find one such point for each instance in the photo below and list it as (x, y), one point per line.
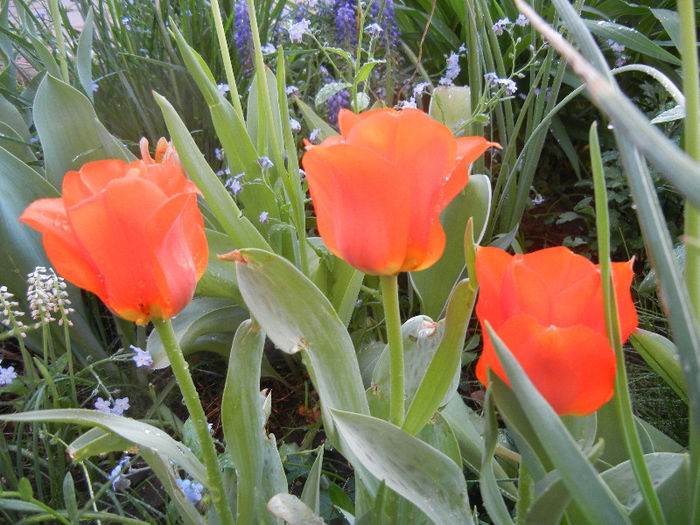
(131, 233)
(547, 307)
(379, 187)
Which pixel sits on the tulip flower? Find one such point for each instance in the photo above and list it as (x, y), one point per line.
(131, 233)
(379, 187)
(547, 307)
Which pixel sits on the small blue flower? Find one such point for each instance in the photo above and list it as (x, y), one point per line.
(491, 79)
(7, 375)
(298, 29)
(374, 30)
(294, 124)
(621, 61)
(262, 218)
(420, 88)
(120, 406)
(315, 135)
(234, 184)
(522, 20)
(500, 26)
(269, 49)
(291, 90)
(103, 405)
(141, 357)
(219, 153)
(223, 88)
(119, 480)
(265, 163)
(193, 491)
(617, 48)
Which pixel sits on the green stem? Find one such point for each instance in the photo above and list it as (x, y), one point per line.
(194, 406)
(226, 59)
(691, 90)
(58, 29)
(623, 403)
(390, 299)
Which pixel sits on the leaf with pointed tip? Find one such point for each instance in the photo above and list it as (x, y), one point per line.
(70, 131)
(415, 470)
(137, 432)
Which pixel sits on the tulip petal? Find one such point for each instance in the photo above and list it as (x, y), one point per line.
(361, 206)
(176, 234)
(423, 151)
(92, 178)
(525, 290)
(169, 177)
(420, 257)
(622, 274)
(110, 226)
(573, 368)
(468, 150)
(347, 119)
(491, 264)
(67, 255)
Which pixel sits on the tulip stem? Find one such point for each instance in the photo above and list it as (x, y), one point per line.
(390, 300)
(194, 406)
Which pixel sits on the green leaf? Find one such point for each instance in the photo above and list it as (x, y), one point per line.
(25, 489)
(631, 38)
(239, 229)
(441, 378)
(11, 116)
(662, 356)
(451, 105)
(13, 142)
(253, 112)
(244, 421)
(672, 23)
(83, 55)
(166, 475)
(366, 69)
(45, 56)
(293, 511)
(25, 186)
(424, 476)
(669, 474)
(327, 91)
(206, 323)
(313, 121)
(297, 316)
(95, 442)
(311, 494)
(139, 433)
(490, 493)
(435, 283)
(69, 497)
(584, 483)
(219, 280)
(69, 130)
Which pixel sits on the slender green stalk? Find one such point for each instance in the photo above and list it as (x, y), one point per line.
(58, 29)
(290, 186)
(689, 58)
(194, 406)
(623, 403)
(390, 299)
(226, 59)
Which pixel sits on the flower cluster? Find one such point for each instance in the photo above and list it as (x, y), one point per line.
(336, 102)
(9, 313)
(193, 491)
(618, 49)
(121, 405)
(47, 295)
(234, 183)
(507, 84)
(504, 24)
(345, 20)
(242, 34)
